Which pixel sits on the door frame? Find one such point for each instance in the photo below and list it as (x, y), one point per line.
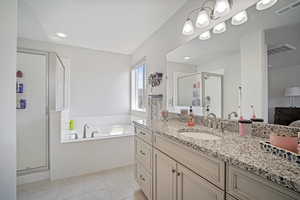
(47, 163)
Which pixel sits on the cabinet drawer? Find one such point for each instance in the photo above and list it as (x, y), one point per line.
(245, 186)
(191, 186)
(143, 134)
(209, 168)
(144, 153)
(144, 180)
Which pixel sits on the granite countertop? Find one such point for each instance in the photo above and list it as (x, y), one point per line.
(242, 152)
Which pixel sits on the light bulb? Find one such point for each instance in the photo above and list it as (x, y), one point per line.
(203, 19)
(220, 28)
(205, 36)
(265, 4)
(239, 18)
(61, 35)
(188, 28)
(222, 7)
(187, 57)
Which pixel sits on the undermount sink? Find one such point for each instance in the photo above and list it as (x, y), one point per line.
(199, 135)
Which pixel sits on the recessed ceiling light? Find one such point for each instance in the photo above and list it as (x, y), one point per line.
(265, 4)
(187, 58)
(61, 35)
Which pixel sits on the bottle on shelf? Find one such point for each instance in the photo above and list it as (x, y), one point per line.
(191, 120)
(20, 100)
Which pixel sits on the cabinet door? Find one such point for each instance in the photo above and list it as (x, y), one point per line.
(193, 187)
(164, 176)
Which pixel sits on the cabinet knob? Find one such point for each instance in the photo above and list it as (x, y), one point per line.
(173, 171)
(178, 174)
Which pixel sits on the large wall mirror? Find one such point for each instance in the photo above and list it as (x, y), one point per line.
(259, 59)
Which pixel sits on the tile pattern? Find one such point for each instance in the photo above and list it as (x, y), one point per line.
(242, 152)
(265, 130)
(116, 184)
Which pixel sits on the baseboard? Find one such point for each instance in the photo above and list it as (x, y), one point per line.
(33, 177)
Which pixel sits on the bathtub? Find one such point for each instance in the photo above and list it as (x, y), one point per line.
(104, 127)
(112, 147)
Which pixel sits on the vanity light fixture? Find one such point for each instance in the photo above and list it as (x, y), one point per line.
(239, 18)
(205, 35)
(203, 19)
(265, 4)
(187, 58)
(61, 35)
(188, 28)
(222, 7)
(209, 10)
(220, 28)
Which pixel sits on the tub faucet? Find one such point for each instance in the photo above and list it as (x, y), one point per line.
(232, 113)
(85, 127)
(94, 133)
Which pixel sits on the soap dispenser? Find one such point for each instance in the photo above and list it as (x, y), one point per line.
(191, 120)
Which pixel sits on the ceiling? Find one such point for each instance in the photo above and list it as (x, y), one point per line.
(111, 25)
(228, 43)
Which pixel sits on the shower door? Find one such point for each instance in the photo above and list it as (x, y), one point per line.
(32, 122)
(213, 93)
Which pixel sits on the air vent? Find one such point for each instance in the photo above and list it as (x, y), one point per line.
(280, 49)
(288, 8)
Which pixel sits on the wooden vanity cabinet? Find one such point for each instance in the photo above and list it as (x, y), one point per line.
(143, 159)
(245, 186)
(173, 181)
(166, 170)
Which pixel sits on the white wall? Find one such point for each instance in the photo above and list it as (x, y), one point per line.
(254, 74)
(8, 35)
(169, 37)
(231, 65)
(100, 81)
(99, 86)
(279, 79)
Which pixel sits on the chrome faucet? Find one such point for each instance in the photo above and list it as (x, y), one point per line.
(232, 113)
(214, 117)
(222, 127)
(85, 127)
(94, 133)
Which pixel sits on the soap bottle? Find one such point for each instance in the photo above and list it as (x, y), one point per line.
(191, 120)
(298, 143)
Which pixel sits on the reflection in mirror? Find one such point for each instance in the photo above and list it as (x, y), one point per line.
(202, 90)
(261, 56)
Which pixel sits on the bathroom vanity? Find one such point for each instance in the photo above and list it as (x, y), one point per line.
(171, 164)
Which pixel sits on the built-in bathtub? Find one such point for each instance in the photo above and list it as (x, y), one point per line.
(97, 128)
(112, 147)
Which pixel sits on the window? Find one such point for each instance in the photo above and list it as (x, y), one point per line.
(138, 87)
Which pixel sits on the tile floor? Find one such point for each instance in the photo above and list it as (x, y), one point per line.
(116, 184)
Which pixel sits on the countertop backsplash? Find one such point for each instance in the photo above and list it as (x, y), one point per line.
(259, 129)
